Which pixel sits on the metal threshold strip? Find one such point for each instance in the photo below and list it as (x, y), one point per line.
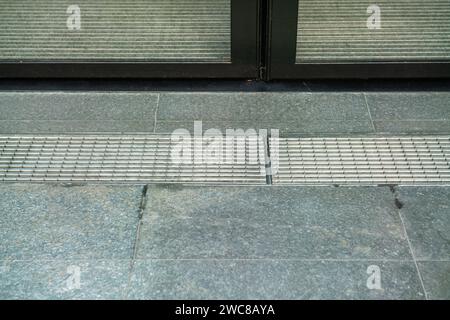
(142, 159)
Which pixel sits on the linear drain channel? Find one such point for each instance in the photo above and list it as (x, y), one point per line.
(125, 159)
(299, 161)
(361, 161)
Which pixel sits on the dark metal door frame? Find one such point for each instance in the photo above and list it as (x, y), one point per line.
(263, 46)
(282, 64)
(244, 58)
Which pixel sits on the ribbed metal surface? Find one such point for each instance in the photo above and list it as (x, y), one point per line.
(356, 161)
(116, 159)
(155, 30)
(336, 31)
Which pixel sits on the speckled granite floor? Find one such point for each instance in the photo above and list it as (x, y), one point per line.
(223, 242)
(295, 112)
(185, 242)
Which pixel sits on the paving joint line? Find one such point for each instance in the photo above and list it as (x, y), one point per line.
(221, 259)
(399, 208)
(142, 207)
(370, 114)
(343, 260)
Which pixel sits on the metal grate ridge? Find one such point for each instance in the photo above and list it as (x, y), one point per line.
(121, 159)
(405, 160)
(361, 160)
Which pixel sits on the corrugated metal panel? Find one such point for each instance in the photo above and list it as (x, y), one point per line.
(337, 31)
(150, 30)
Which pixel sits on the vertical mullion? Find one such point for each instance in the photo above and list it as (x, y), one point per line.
(244, 32)
(284, 21)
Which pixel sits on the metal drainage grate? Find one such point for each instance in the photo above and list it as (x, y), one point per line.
(301, 161)
(356, 161)
(119, 159)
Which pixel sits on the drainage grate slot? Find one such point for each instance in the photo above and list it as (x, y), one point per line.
(355, 161)
(300, 161)
(127, 159)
